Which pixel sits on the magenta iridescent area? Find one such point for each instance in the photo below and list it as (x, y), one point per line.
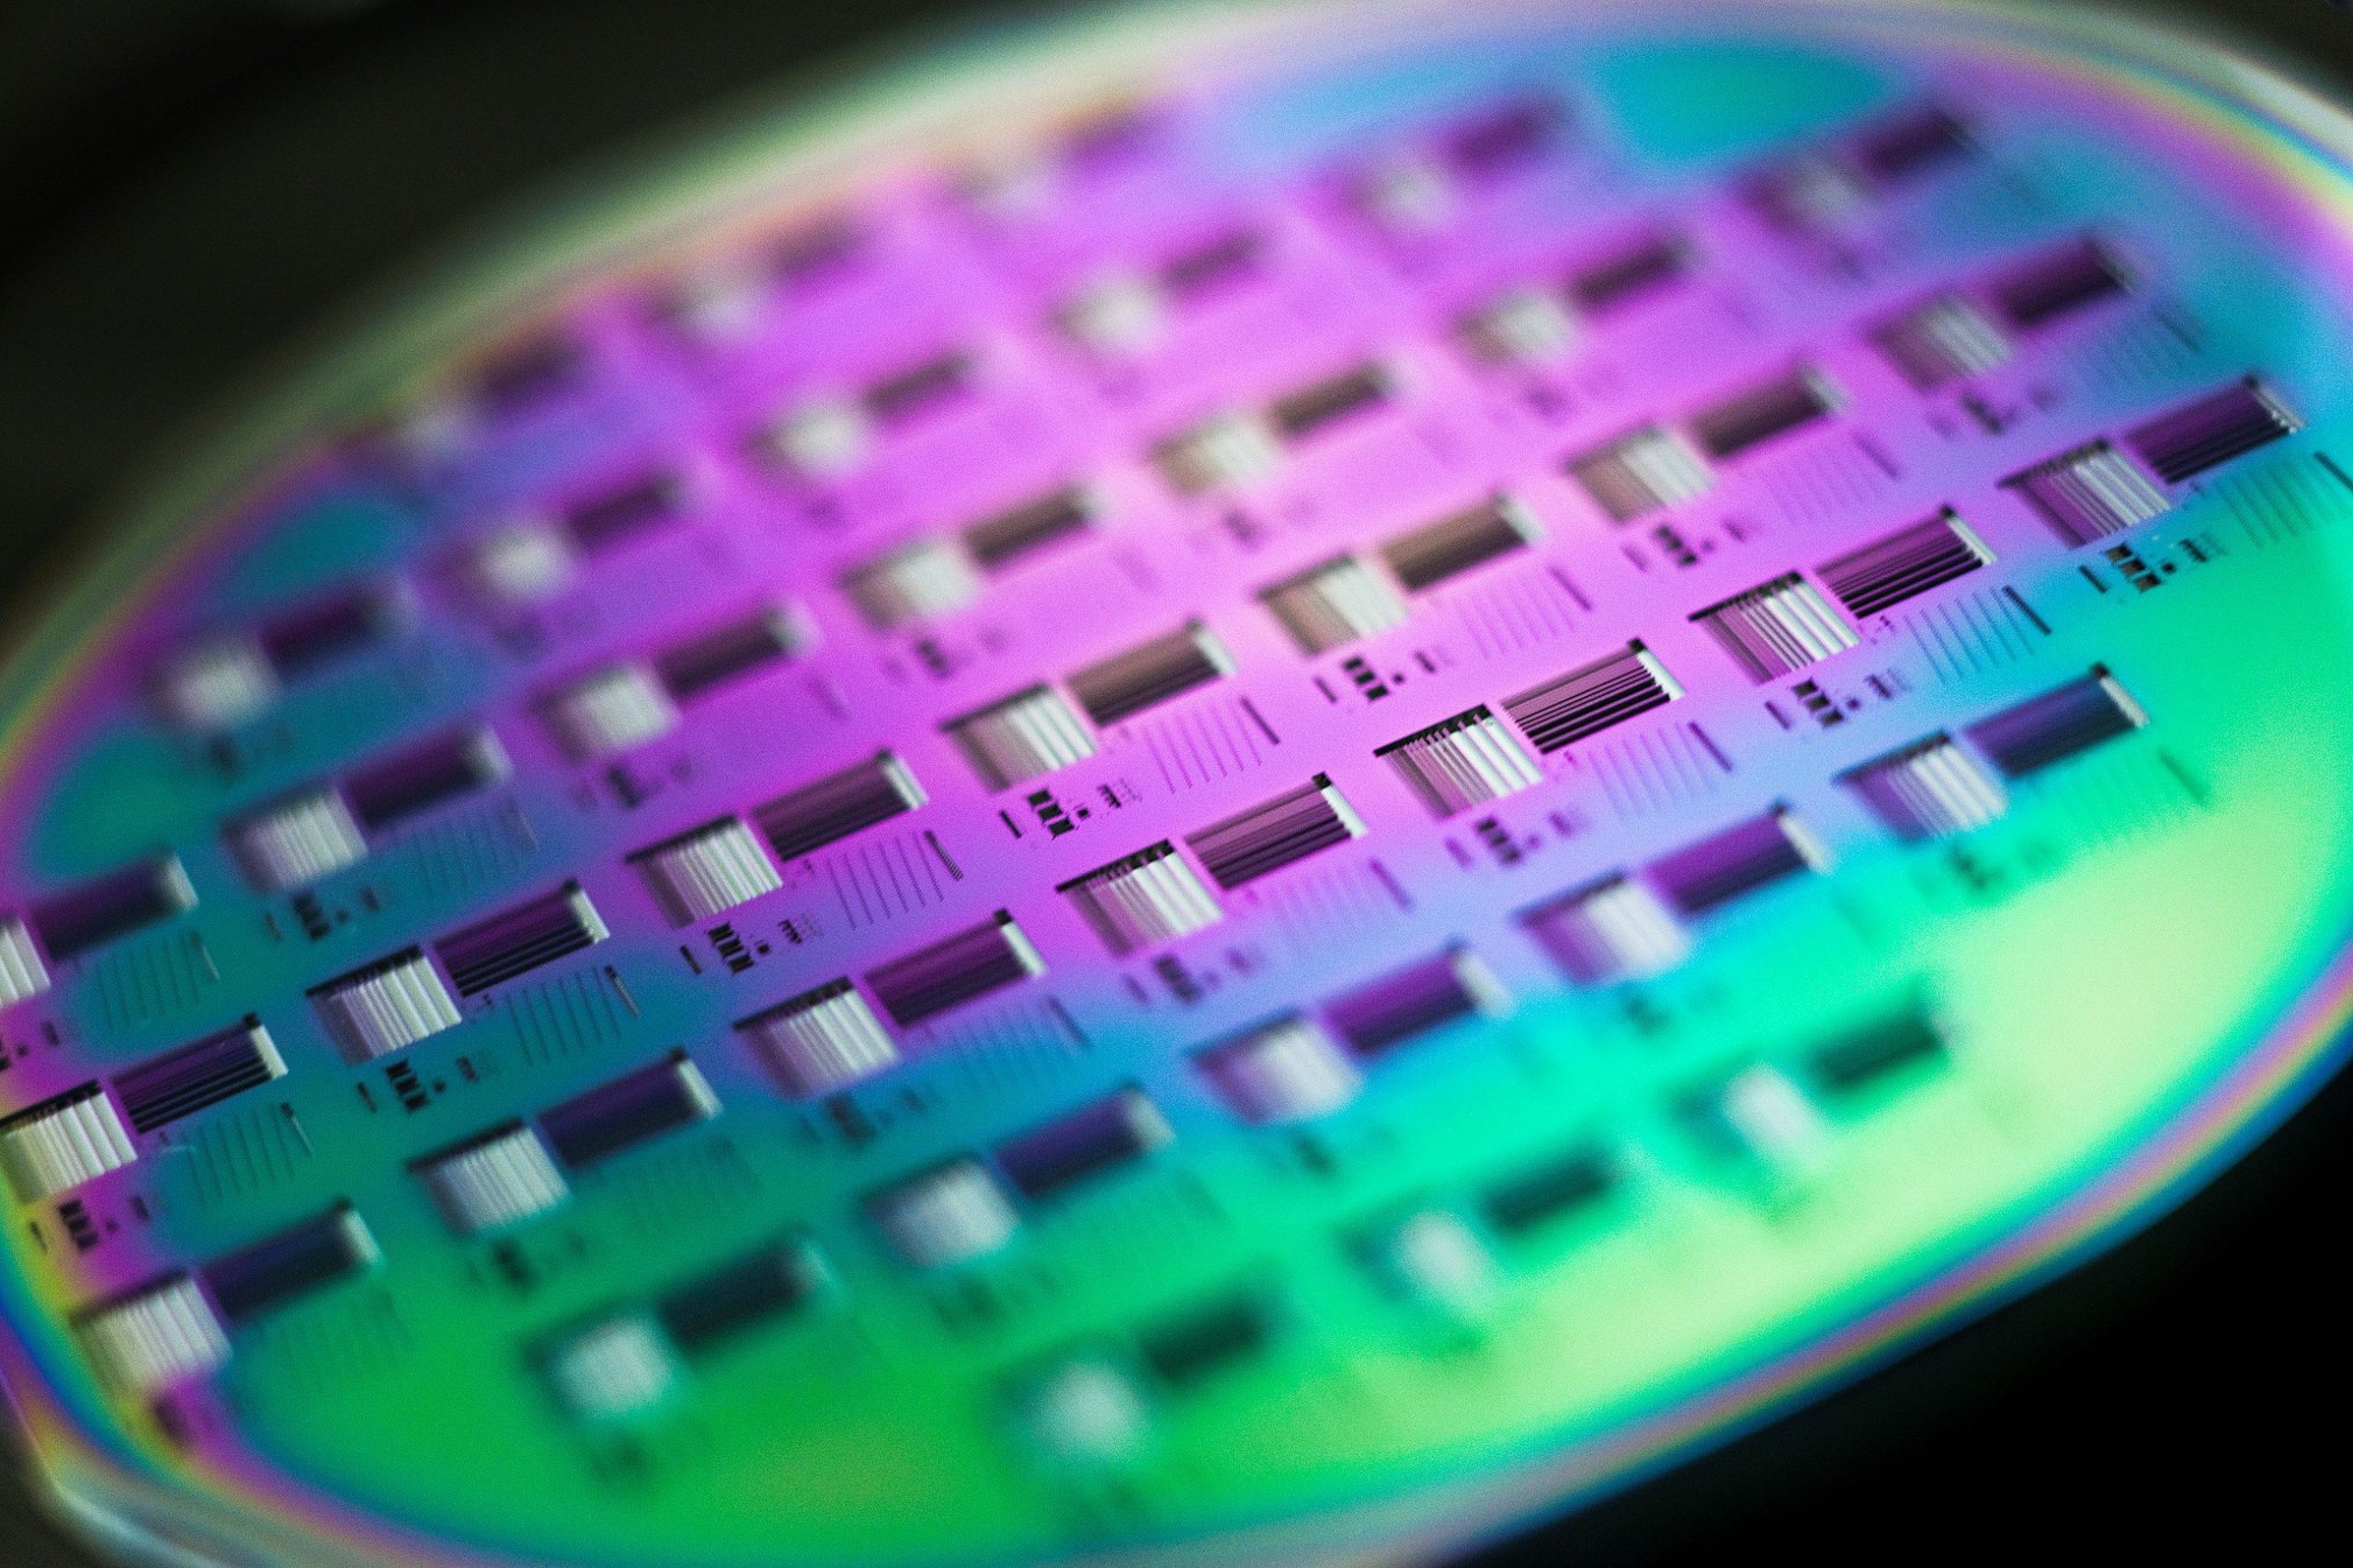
(1077, 834)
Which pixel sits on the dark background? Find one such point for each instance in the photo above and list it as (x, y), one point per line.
(188, 187)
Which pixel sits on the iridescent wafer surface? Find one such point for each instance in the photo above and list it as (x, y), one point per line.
(1241, 783)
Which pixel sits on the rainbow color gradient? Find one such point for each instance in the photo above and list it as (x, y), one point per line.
(1238, 783)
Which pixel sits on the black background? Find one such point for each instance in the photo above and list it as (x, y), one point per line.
(187, 187)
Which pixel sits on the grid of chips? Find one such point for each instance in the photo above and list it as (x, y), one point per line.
(1268, 806)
